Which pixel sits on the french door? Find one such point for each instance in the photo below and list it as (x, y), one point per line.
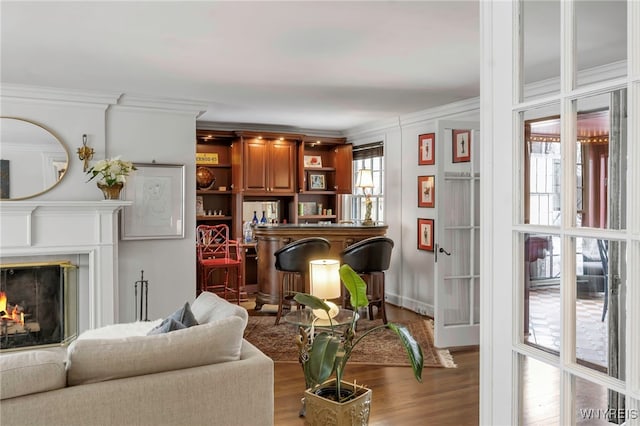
(457, 236)
(560, 238)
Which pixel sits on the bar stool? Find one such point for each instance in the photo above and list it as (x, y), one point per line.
(370, 258)
(293, 261)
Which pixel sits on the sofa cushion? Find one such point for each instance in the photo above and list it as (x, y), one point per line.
(27, 372)
(96, 360)
(210, 307)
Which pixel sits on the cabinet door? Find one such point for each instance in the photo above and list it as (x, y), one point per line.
(255, 165)
(282, 167)
(344, 169)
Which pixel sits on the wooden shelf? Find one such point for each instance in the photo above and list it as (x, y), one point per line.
(212, 192)
(319, 169)
(213, 217)
(215, 166)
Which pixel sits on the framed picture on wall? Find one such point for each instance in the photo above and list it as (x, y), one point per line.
(461, 146)
(426, 191)
(425, 234)
(426, 149)
(157, 193)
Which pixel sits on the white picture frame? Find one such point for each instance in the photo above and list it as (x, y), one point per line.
(157, 193)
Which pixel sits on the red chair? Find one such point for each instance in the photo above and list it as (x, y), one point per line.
(216, 252)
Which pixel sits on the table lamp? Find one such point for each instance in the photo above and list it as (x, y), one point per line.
(364, 181)
(324, 276)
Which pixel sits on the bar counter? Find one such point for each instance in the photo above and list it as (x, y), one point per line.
(270, 238)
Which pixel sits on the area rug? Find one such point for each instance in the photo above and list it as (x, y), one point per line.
(382, 347)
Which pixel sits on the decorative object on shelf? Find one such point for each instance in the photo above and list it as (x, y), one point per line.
(317, 182)
(255, 221)
(111, 174)
(312, 161)
(85, 153)
(324, 278)
(205, 178)
(325, 353)
(157, 211)
(426, 149)
(425, 234)
(263, 219)
(426, 191)
(461, 146)
(364, 181)
(206, 158)
(199, 205)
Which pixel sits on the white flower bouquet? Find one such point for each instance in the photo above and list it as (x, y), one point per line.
(111, 171)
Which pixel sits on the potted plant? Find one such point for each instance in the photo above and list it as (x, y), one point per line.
(111, 174)
(326, 354)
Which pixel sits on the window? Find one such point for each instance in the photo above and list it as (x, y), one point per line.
(369, 156)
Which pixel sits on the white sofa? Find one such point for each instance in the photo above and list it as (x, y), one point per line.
(202, 375)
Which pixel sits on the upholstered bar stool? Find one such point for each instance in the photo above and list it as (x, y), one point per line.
(293, 261)
(370, 258)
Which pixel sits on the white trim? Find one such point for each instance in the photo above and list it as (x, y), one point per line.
(41, 93)
(166, 104)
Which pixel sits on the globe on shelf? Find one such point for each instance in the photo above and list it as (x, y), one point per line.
(205, 178)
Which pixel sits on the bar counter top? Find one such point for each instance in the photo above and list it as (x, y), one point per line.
(270, 238)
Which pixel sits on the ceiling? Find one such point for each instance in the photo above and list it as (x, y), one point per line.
(314, 65)
(326, 65)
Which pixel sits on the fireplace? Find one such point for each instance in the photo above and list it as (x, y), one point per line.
(82, 233)
(38, 304)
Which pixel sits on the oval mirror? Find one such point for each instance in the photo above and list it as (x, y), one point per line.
(32, 159)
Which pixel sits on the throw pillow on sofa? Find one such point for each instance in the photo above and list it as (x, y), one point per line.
(182, 318)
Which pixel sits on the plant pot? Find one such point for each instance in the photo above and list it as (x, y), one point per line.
(111, 192)
(321, 411)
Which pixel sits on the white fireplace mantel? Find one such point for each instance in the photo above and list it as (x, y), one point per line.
(40, 228)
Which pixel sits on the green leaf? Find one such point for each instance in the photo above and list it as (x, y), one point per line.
(311, 301)
(356, 286)
(414, 351)
(322, 357)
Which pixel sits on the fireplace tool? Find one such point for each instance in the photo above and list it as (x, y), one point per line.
(144, 297)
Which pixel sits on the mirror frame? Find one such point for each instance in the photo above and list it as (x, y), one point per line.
(60, 142)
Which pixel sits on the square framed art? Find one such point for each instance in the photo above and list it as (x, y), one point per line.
(461, 146)
(426, 149)
(425, 234)
(317, 182)
(426, 191)
(157, 212)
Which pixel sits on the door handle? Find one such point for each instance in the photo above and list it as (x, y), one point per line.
(444, 251)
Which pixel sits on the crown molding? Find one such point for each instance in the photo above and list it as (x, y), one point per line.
(256, 127)
(166, 104)
(52, 94)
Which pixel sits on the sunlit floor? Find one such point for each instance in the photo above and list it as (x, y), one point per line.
(591, 331)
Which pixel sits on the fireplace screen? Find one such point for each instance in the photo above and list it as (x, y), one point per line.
(38, 304)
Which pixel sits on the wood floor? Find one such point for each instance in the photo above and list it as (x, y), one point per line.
(446, 396)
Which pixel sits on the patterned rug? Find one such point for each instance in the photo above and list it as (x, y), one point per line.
(382, 347)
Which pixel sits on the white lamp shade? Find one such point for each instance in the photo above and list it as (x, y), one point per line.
(364, 178)
(324, 275)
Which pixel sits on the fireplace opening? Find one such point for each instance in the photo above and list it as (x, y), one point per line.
(38, 304)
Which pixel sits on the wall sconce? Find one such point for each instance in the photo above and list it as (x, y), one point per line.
(364, 181)
(324, 277)
(85, 153)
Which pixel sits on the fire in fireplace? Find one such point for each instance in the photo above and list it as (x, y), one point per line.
(38, 304)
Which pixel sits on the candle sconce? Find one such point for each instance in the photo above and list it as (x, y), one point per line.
(85, 153)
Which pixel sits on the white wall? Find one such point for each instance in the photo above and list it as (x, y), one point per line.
(410, 278)
(143, 136)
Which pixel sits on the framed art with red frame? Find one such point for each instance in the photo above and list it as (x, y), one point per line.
(426, 149)
(426, 191)
(425, 234)
(461, 146)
